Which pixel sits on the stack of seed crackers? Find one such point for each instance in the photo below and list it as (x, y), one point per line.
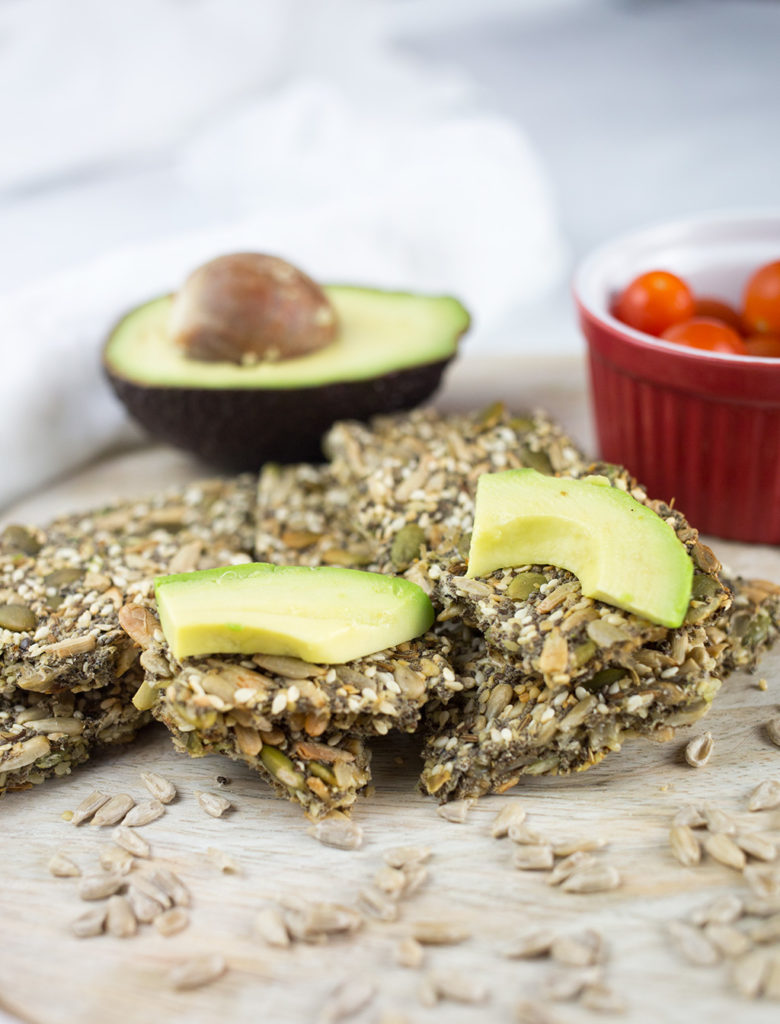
(520, 673)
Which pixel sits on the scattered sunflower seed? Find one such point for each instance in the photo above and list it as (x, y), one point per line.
(114, 858)
(63, 867)
(349, 998)
(693, 944)
(120, 919)
(338, 831)
(723, 849)
(685, 845)
(528, 1012)
(578, 950)
(90, 923)
(145, 907)
(513, 813)
(718, 821)
(415, 875)
(763, 881)
(458, 986)
(600, 998)
(725, 909)
(727, 939)
(562, 985)
(113, 810)
(146, 885)
(534, 944)
(757, 845)
(766, 796)
(533, 858)
(131, 841)
(143, 814)
(88, 806)
(456, 810)
(269, 925)
(566, 847)
(758, 907)
(99, 887)
(172, 921)
(699, 749)
(226, 864)
(196, 973)
(521, 833)
(378, 904)
(690, 815)
(439, 933)
(405, 856)
(772, 978)
(313, 922)
(599, 878)
(566, 867)
(749, 972)
(161, 788)
(767, 930)
(391, 881)
(213, 803)
(171, 885)
(409, 953)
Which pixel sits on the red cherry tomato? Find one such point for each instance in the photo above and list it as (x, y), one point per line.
(706, 333)
(762, 301)
(654, 301)
(763, 345)
(722, 311)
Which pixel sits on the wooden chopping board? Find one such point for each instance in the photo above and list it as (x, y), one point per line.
(49, 977)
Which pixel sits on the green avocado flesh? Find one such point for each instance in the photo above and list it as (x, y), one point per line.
(620, 550)
(322, 614)
(380, 332)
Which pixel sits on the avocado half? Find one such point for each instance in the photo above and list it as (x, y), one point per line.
(390, 354)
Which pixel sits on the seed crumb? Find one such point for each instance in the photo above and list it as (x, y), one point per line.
(197, 972)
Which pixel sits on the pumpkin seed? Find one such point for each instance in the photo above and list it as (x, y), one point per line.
(62, 577)
(17, 618)
(406, 545)
(525, 584)
(20, 539)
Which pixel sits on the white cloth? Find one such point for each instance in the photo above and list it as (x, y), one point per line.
(351, 163)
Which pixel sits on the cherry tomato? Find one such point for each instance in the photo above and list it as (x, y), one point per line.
(763, 345)
(654, 301)
(762, 301)
(706, 333)
(707, 306)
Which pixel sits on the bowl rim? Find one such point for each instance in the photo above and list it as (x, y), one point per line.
(656, 234)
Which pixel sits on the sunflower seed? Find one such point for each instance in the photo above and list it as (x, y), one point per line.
(348, 999)
(416, 875)
(773, 730)
(458, 986)
(561, 985)
(533, 858)
(145, 885)
(578, 950)
(566, 867)
(63, 867)
(213, 803)
(409, 953)
(699, 749)
(725, 909)
(763, 881)
(685, 845)
(693, 944)
(378, 904)
(767, 930)
(566, 847)
(772, 978)
(315, 921)
(143, 814)
(528, 1012)
(456, 811)
(338, 831)
(599, 878)
(91, 803)
(749, 972)
(405, 856)
(160, 788)
(757, 845)
(172, 921)
(724, 850)
(114, 858)
(512, 813)
(440, 933)
(196, 973)
(534, 944)
(690, 815)
(172, 886)
(226, 864)
(91, 923)
(718, 821)
(727, 939)
(269, 925)
(112, 812)
(766, 796)
(131, 841)
(145, 907)
(98, 887)
(120, 919)
(521, 833)
(600, 998)
(391, 881)
(757, 907)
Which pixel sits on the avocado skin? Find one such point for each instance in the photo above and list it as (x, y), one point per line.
(239, 429)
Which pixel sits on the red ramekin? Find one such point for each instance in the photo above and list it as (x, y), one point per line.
(702, 428)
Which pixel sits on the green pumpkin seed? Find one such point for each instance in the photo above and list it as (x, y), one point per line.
(62, 577)
(525, 584)
(583, 653)
(20, 538)
(281, 767)
(18, 618)
(521, 424)
(490, 416)
(406, 545)
(603, 678)
(322, 772)
(536, 460)
(704, 587)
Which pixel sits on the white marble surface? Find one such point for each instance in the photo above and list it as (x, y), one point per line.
(481, 148)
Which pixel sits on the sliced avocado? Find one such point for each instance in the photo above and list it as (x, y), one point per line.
(390, 353)
(620, 550)
(322, 614)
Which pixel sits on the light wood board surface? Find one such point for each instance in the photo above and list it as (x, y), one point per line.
(49, 977)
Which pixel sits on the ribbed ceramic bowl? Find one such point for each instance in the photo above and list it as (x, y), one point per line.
(701, 428)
